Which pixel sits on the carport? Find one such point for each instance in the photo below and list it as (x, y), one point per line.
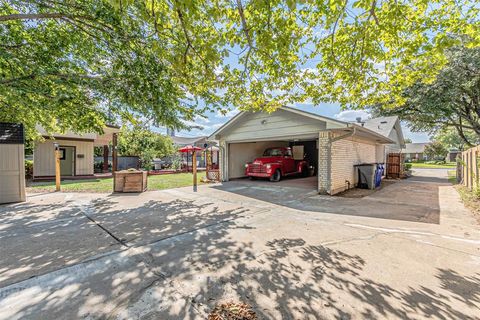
(332, 147)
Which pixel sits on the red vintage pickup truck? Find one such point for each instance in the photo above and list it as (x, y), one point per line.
(275, 164)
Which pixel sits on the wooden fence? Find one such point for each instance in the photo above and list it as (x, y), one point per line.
(470, 163)
(395, 165)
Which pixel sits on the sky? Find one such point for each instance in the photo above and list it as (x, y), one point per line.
(213, 121)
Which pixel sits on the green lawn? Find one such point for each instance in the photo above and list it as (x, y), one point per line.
(158, 182)
(423, 165)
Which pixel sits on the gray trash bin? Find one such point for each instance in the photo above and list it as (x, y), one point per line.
(366, 175)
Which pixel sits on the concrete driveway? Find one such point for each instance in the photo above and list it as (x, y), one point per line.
(410, 250)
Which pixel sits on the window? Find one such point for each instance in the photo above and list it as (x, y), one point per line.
(273, 152)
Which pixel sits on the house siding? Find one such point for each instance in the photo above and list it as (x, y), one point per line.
(44, 157)
(280, 123)
(345, 154)
(12, 173)
(393, 148)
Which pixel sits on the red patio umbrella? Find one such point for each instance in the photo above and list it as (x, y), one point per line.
(193, 150)
(188, 149)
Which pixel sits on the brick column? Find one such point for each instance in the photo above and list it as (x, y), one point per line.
(324, 161)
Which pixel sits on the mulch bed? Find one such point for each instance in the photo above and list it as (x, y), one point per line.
(232, 311)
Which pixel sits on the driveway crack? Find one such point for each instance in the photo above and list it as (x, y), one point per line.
(86, 209)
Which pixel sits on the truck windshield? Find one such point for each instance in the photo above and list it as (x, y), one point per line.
(273, 153)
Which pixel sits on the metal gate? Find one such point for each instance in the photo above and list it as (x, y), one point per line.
(395, 165)
(12, 163)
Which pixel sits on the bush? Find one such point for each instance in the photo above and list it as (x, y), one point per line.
(408, 166)
(28, 169)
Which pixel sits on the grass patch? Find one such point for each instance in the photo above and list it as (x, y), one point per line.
(471, 199)
(423, 165)
(452, 176)
(158, 182)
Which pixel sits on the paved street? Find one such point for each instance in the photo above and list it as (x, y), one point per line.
(410, 250)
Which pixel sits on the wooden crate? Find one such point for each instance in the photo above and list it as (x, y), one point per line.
(130, 181)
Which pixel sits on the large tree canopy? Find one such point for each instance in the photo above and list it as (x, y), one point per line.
(79, 64)
(71, 62)
(142, 142)
(451, 101)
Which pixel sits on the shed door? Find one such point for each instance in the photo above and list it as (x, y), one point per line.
(12, 173)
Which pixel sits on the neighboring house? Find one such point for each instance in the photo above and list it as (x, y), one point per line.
(389, 127)
(415, 151)
(452, 155)
(333, 147)
(76, 152)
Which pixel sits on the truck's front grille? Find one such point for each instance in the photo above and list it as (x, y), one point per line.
(257, 168)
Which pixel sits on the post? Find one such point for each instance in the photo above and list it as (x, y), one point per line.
(114, 157)
(194, 169)
(114, 153)
(105, 158)
(57, 167)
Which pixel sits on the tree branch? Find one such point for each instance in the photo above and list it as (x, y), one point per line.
(33, 16)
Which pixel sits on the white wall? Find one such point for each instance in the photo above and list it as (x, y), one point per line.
(12, 173)
(344, 155)
(241, 153)
(44, 157)
(278, 124)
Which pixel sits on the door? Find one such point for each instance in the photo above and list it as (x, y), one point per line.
(67, 161)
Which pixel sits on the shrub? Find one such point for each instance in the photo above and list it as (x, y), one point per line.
(28, 169)
(408, 166)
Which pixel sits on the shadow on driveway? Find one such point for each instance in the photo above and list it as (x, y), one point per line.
(415, 199)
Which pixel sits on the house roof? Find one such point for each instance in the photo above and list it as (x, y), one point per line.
(98, 139)
(187, 140)
(385, 126)
(336, 124)
(285, 108)
(415, 147)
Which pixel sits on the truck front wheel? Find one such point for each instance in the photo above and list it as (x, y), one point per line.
(276, 176)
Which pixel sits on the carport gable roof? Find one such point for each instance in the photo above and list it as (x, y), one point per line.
(331, 123)
(363, 132)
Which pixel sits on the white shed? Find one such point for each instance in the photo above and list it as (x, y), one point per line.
(76, 153)
(12, 163)
(333, 147)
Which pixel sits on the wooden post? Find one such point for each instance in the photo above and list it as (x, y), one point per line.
(194, 169)
(114, 153)
(105, 158)
(114, 157)
(57, 168)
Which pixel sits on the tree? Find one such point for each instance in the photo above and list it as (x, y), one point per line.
(79, 64)
(452, 101)
(408, 140)
(436, 150)
(142, 142)
(450, 138)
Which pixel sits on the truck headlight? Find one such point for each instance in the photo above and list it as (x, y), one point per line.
(246, 165)
(268, 166)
